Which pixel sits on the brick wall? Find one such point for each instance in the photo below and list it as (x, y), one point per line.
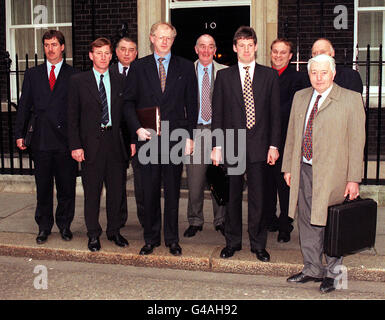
(315, 20)
(108, 19)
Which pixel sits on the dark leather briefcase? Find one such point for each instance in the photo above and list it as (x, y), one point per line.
(218, 182)
(351, 227)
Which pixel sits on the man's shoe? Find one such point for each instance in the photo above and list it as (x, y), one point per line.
(119, 240)
(42, 236)
(148, 248)
(191, 231)
(221, 228)
(66, 234)
(327, 285)
(175, 249)
(283, 236)
(94, 244)
(228, 252)
(302, 278)
(262, 255)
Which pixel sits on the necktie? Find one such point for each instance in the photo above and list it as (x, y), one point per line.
(205, 100)
(162, 74)
(249, 100)
(125, 71)
(103, 98)
(52, 78)
(307, 145)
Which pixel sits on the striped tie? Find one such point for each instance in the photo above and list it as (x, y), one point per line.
(307, 145)
(162, 74)
(249, 100)
(205, 101)
(103, 98)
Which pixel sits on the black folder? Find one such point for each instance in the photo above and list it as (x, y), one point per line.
(351, 227)
(218, 182)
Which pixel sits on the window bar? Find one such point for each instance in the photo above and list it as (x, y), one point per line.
(379, 115)
(367, 113)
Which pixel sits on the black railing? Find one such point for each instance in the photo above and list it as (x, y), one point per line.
(374, 151)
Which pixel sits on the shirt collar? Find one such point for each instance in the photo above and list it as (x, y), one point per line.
(57, 66)
(166, 57)
(325, 93)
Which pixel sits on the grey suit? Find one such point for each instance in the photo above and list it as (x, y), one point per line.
(196, 170)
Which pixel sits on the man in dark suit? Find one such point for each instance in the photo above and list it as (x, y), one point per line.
(126, 52)
(44, 97)
(347, 78)
(246, 98)
(95, 111)
(169, 82)
(289, 82)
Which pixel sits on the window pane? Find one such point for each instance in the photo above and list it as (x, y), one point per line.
(370, 26)
(24, 42)
(43, 11)
(20, 12)
(374, 69)
(39, 43)
(67, 31)
(63, 11)
(371, 3)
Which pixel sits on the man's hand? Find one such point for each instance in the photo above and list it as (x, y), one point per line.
(352, 189)
(272, 156)
(20, 144)
(143, 134)
(133, 149)
(78, 155)
(287, 177)
(216, 156)
(189, 148)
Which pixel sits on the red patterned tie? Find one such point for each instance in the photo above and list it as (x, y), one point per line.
(307, 145)
(52, 78)
(206, 104)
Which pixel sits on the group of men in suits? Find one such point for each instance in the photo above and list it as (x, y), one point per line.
(84, 117)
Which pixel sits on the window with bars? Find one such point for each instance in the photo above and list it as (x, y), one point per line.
(27, 21)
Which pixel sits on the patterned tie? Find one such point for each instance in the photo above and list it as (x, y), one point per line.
(205, 100)
(307, 145)
(162, 74)
(249, 100)
(103, 98)
(125, 71)
(52, 78)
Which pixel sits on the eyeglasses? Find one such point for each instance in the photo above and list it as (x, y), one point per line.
(161, 38)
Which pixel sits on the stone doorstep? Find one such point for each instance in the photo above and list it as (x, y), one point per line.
(283, 263)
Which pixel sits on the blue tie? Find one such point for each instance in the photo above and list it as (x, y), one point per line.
(103, 98)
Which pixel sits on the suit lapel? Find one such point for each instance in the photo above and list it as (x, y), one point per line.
(237, 86)
(44, 78)
(172, 75)
(91, 85)
(152, 75)
(333, 95)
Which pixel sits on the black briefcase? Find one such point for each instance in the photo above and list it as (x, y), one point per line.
(218, 182)
(351, 227)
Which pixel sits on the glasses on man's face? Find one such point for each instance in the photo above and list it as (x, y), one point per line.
(164, 38)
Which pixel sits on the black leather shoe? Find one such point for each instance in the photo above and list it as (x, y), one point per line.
(94, 244)
(262, 255)
(191, 231)
(302, 278)
(66, 234)
(221, 228)
(283, 236)
(42, 237)
(119, 240)
(228, 252)
(148, 248)
(175, 249)
(327, 285)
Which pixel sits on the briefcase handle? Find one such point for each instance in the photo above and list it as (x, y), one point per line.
(348, 201)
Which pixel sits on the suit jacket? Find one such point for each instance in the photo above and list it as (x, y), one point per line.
(178, 102)
(229, 109)
(338, 148)
(49, 108)
(84, 114)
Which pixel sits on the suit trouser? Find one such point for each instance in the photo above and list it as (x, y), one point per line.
(138, 188)
(276, 183)
(109, 169)
(152, 177)
(312, 236)
(196, 180)
(58, 166)
(257, 228)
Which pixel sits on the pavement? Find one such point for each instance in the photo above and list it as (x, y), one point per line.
(18, 232)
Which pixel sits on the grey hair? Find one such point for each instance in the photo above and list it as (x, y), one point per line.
(322, 58)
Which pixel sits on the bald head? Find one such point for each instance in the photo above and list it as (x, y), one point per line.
(322, 46)
(205, 48)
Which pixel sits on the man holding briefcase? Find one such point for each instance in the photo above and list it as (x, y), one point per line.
(322, 163)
